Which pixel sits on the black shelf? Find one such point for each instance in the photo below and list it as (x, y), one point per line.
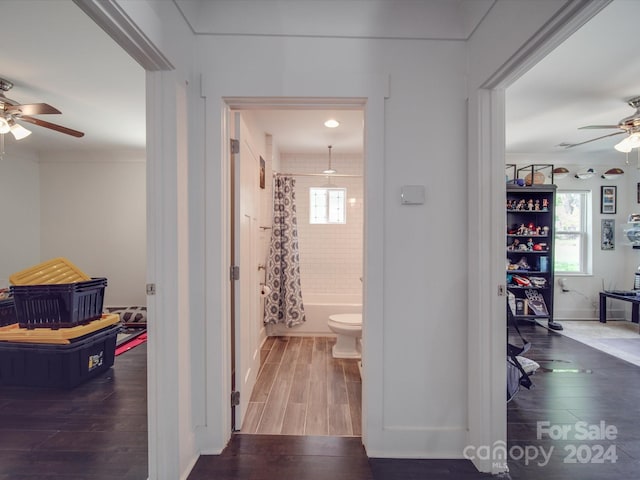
(528, 223)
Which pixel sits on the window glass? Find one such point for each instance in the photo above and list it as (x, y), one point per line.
(327, 205)
(571, 232)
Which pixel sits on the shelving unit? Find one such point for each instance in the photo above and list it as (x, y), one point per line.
(529, 251)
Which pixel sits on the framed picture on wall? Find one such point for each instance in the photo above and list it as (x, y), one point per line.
(608, 199)
(607, 234)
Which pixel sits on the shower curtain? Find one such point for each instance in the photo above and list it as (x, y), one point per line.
(284, 303)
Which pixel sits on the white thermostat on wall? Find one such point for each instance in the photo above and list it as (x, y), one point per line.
(412, 195)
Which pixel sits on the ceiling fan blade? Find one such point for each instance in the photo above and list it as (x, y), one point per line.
(598, 126)
(52, 126)
(31, 109)
(571, 145)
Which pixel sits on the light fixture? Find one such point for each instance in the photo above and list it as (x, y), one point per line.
(585, 174)
(560, 172)
(19, 132)
(612, 173)
(331, 123)
(4, 126)
(629, 143)
(330, 170)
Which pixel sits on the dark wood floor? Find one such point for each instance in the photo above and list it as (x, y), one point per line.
(576, 384)
(98, 430)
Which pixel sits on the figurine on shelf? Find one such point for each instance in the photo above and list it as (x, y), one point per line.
(530, 205)
(514, 245)
(545, 231)
(522, 230)
(530, 244)
(521, 205)
(545, 204)
(536, 206)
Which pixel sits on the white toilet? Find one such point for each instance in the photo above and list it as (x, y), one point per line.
(348, 329)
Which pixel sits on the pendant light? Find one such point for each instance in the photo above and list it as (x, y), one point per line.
(330, 170)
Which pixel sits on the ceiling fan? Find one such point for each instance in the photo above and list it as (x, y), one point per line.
(12, 112)
(629, 125)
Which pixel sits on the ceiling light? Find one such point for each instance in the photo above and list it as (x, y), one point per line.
(612, 173)
(560, 172)
(331, 123)
(4, 126)
(329, 170)
(19, 132)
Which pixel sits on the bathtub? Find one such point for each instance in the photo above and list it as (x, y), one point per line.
(317, 308)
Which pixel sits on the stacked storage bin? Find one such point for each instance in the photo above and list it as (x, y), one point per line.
(58, 336)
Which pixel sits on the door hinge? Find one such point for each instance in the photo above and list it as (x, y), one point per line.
(235, 398)
(502, 290)
(151, 288)
(235, 146)
(235, 272)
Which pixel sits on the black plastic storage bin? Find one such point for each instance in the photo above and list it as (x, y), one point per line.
(59, 305)
(60, 366)
(7, 312)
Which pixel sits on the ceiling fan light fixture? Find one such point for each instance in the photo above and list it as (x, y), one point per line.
(634, 140)
(624, 146)
(4, 126)
(332, 123)
(19, 132)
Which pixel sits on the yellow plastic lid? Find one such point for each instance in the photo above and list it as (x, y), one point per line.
(55, 271)
(61, 336)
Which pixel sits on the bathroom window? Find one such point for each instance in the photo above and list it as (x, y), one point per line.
(327, 205)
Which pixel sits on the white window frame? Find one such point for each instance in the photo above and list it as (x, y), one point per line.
(329, 205)
(585, 234)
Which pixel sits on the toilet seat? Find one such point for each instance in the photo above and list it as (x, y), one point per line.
(347, 320)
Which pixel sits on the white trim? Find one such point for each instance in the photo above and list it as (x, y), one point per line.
(369, 94)
(112, 18)
(486, 334)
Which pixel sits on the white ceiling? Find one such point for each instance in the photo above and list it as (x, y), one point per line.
(58, 55)
(585, 81)
(62, 58)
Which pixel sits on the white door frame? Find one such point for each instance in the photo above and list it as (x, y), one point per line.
(308, 103)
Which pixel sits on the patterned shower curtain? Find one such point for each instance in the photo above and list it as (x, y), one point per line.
(284, 303)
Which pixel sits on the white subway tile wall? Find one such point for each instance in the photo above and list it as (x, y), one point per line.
(330, 255)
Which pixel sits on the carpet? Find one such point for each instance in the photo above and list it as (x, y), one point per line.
(618, 338)
(130, 338)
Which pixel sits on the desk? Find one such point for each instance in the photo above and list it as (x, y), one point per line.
(635, 301)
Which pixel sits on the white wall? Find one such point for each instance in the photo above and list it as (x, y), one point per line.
(424, 317)
(20, 218)
(93, 212)
(330, 255)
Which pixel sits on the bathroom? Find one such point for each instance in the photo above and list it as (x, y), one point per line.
(330, 273)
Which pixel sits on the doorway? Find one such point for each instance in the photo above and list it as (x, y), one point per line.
(287, 379)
